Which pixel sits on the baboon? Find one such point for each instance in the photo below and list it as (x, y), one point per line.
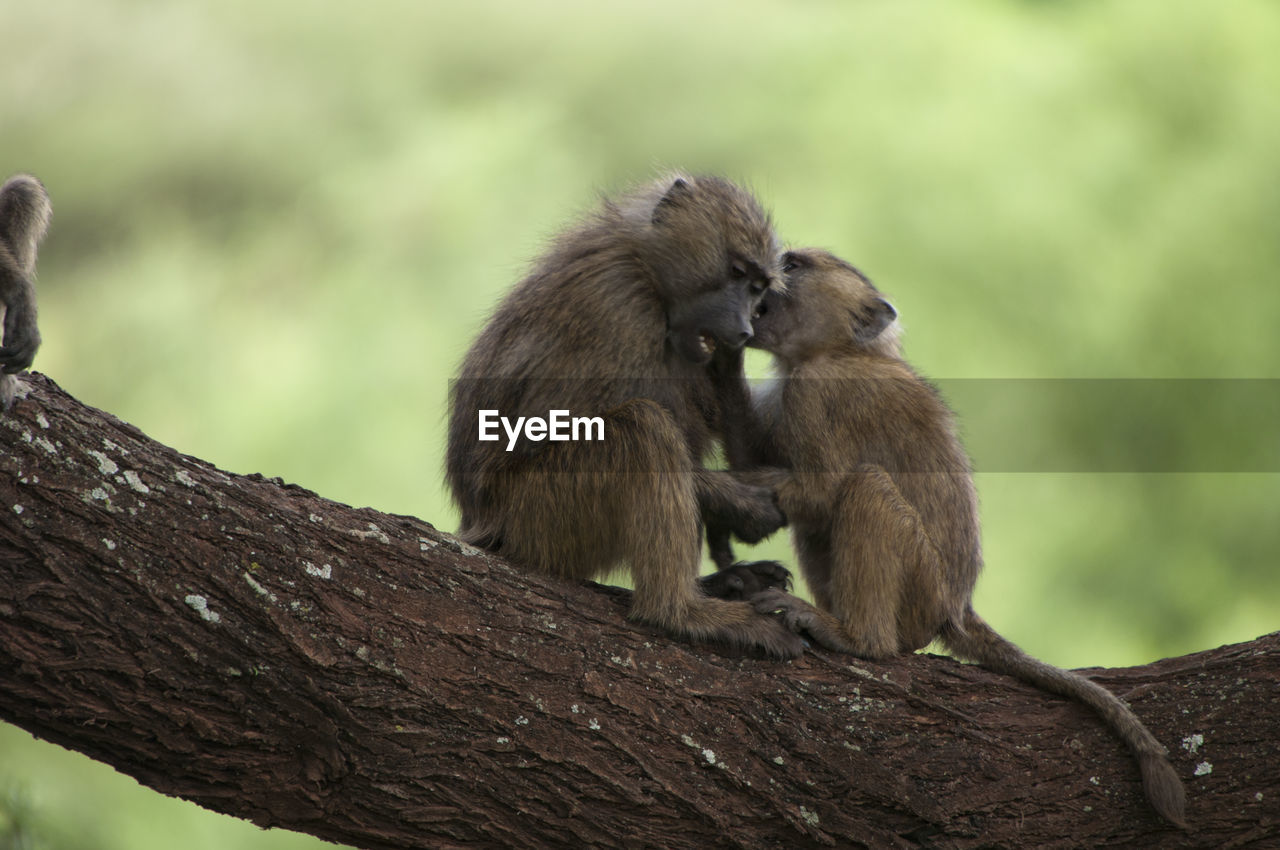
(620, 320)
(24, 218)
(881, 500)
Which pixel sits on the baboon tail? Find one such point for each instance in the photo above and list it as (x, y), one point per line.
(978, 642)
(24, 218)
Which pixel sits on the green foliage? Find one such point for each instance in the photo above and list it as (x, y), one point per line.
(277, 227)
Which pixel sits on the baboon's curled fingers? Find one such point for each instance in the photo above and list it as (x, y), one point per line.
(802, 618)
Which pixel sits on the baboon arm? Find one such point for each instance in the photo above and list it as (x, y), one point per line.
(743, 504)
(748, 440)
(809, 497)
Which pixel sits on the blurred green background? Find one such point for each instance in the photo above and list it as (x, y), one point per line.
(277, 226)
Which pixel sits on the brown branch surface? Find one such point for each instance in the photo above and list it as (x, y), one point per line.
(368, 679)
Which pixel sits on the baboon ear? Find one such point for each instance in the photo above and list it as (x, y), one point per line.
(870, 323)
(675, 196)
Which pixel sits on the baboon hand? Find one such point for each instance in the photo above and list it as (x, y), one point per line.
(760, 515)
(745, 579)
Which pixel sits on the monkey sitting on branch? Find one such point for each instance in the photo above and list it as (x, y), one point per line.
(24, 218)
(880, 497)
(618, 322)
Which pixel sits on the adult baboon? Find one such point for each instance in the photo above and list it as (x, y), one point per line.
(619, 320)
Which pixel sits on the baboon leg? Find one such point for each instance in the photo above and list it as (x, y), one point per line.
(662, 542)
(576, 510)
(813, 552)
(884, 569)
(584, 508)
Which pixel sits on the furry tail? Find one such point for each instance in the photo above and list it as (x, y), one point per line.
(24, 218)
(978, 642)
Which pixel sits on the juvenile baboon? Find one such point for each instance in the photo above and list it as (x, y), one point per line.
(620, 320)
(881, 499)
(24, 218)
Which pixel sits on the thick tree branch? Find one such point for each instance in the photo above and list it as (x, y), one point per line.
(368, 679)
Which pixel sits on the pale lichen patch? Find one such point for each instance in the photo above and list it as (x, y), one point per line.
(106, 465)
(201, 606)
(46, 445)
(374, 533)
(17, 509)
(811, 818)
(110, 544)
(41, 421)
(1192, 743)
(709, 755)
(1203, 769)
(258, 588)
(593, 725)
(325, 572)
(131, 478)
(184, 478)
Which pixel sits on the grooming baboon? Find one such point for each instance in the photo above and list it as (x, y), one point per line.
(24, 218)
(619, 320)
(881, 499)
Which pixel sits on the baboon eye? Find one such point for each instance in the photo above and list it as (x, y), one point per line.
(757, 287)
(737, 271)
(789, 265)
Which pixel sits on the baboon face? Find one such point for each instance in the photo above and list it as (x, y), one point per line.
(714, 255)
(827, 304)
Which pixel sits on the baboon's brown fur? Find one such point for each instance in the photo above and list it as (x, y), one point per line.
(620, 319)
(881, 500)
(24, 218)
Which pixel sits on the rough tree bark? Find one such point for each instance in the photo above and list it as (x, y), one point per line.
(370, 680)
